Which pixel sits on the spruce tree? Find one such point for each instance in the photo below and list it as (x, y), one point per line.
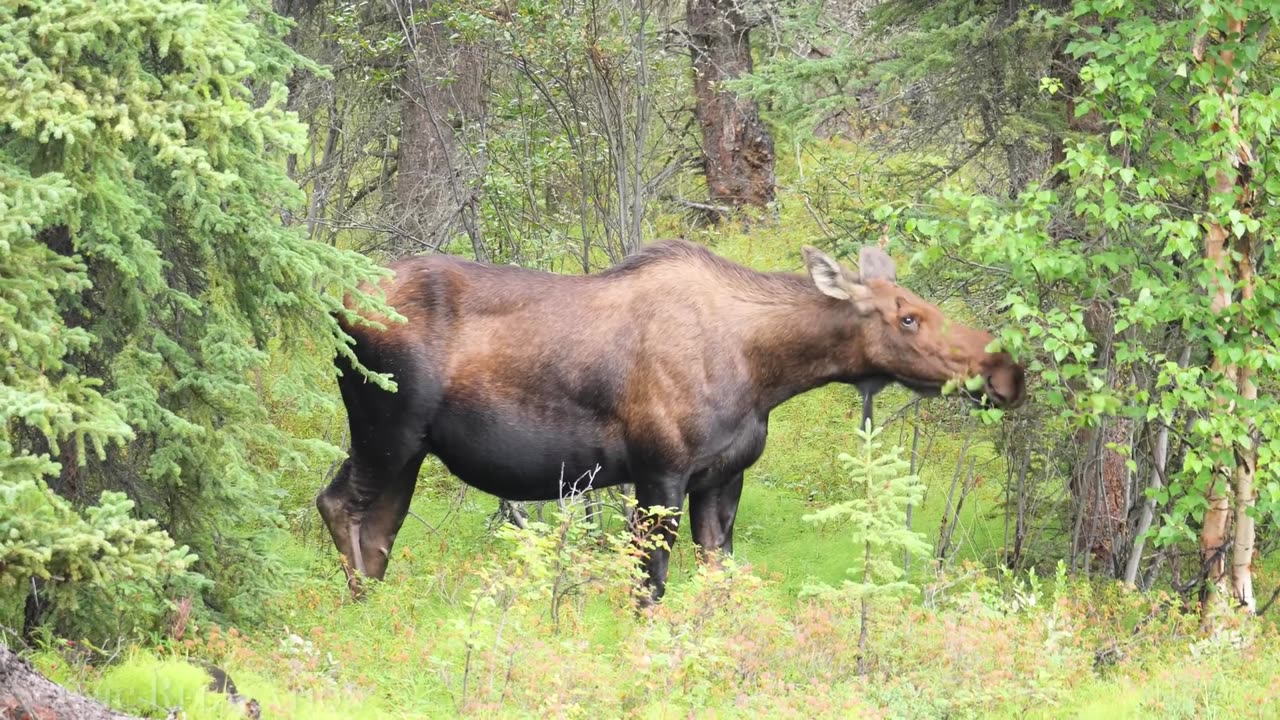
(881, 489)
(146, 271)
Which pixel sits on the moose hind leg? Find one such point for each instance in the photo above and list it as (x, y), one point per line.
(339, 506)
(384, 518)
(365, 505)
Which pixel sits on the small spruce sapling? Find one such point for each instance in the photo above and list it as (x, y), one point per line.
(882, 488)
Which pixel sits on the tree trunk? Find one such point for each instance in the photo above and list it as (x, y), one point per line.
(1101, 478)
(1246, 456)
(1213, 533)
(25, 693)
(1100, 491)
(623, 110)
(1159, 463)
(738, 154)
(442, 97)
(1232, 187)
(1066, 69)
(864, 612)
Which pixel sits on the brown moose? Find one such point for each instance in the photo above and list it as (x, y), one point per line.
(661, 371)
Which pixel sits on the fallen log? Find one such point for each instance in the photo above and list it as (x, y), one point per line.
(25, 694)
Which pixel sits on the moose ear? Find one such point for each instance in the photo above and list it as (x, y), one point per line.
(827, 274)
(834, 281)
(875, 264)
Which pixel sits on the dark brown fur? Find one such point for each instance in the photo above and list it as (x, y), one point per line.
(661, 370)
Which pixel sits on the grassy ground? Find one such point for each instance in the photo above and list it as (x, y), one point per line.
(463, 626)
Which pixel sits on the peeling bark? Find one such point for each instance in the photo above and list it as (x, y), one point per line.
(738, 153)
(1213, 533)
(1228, 481)
(1246, 457)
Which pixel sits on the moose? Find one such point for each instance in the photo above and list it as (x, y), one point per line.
(660, 371)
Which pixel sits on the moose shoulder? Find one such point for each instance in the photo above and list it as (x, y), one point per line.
(660, 371)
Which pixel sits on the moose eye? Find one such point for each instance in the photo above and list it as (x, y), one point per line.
(908, 322)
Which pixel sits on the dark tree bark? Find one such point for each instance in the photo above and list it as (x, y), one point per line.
(1100, 480)
(738, 154)
(442, 97)
(25, 693)
(1099, 487)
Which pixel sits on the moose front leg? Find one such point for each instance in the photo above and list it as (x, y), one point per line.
(384, 518)
(727, 508)
(655, 525)
(704, 520)
(711, 515)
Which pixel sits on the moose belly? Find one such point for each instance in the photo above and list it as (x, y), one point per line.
(518, 456)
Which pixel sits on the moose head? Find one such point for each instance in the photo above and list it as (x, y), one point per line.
(905, 339)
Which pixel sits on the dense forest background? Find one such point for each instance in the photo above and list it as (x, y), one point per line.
(188, 189)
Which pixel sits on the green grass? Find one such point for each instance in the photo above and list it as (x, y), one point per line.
(402, 653)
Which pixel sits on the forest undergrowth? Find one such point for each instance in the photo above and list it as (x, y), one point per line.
(538, 623)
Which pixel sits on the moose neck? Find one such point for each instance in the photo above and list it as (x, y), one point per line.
(801, 340)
